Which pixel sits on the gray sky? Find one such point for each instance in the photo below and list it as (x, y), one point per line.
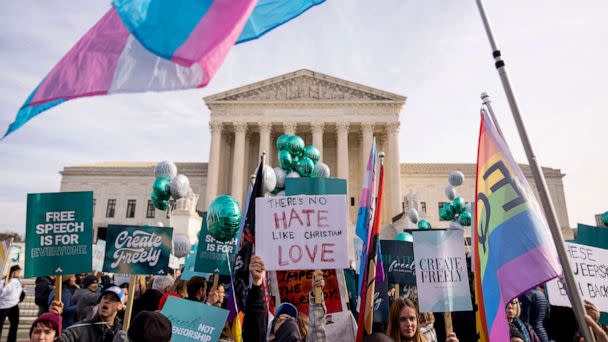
(434, 52)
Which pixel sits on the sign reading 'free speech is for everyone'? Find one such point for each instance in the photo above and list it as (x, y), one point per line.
(137, 249)
(302, 232)
(59, 226)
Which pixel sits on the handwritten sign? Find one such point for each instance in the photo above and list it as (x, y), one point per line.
(302, 232)
(137, 249)
(294, 287)
(441, 271)
(398, 261)
(194, 321)
(590, 268)
(59, 233)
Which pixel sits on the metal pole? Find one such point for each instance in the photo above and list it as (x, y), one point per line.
(541, 185)
(488, 103)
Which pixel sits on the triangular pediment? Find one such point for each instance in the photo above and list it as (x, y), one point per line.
(304, 85)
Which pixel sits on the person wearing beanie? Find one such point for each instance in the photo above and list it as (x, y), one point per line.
(86, 298)
(150, 326)
(47, 327)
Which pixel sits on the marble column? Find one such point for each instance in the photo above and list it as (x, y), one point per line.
(213, 166)
(290, 128)
(367, 136)
(238, 160)
(394, 168)
(265, 128)
(317, 136)
(342, 157)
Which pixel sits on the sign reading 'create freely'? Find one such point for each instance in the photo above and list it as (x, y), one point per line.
(441, 271)
(590, 268)
(137, 249)
(59, 233)
(302, 232)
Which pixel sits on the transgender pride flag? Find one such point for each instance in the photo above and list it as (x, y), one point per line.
(155, 45)
(514, 250)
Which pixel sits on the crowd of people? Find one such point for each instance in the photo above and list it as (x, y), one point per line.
(92, 309)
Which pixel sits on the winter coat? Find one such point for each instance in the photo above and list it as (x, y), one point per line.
(255, 322)
(86, 303)
(44, 285)
(69, 309)
(93, 330)
(146, 302)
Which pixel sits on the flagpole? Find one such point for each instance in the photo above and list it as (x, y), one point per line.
(539, 180)
(486, 101)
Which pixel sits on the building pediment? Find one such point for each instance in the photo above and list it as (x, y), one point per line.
(304, 86)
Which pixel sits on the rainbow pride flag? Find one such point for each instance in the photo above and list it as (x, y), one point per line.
(5, 248)
(514, 251)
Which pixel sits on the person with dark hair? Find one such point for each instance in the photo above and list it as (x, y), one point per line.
(534, 311)
(67, 291)
(43, 287)
(196, 288)
(150, 299)
(11, 292)
(150, 326)
(403, 323)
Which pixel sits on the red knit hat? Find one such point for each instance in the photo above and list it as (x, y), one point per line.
(50, 317)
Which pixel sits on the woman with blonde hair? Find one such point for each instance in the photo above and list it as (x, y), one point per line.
(403, 323)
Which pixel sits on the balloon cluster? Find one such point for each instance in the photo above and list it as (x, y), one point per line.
(168, 184)
(412, 215)
(457, 211)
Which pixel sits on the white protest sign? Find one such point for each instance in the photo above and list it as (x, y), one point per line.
(99, 252)
(590, 267)
(441, 271)
(302, 232)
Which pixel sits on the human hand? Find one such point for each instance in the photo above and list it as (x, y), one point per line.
(213, 296)
(56, 307)
(317, 279)
(257, 270)
(451, 337)
(592, 311)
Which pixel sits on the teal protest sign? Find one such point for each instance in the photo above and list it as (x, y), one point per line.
(194, 321)
(59, 233)
(188, 271)
(137, 249)
(212, 256)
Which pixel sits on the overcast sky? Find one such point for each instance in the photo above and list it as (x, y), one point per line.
(435, 52)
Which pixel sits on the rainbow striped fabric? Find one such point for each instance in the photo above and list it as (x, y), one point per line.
(514, 250)
(155, 45)
(5, 248)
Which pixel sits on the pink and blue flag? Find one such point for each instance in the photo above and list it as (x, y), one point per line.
(155, 45)
(510, 234)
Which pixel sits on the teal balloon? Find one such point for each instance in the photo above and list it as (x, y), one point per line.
(312, 153)
(223, 218)
(162, 188)
(465, 218)
(285, 160)
(159, 203)
(458, 205)
(605, 218)
(447, 211)
(424, 224)
(295, 145)
(305, 166)
(404, 237)
(282, 142)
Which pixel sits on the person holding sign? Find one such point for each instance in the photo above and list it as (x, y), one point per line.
(403, 323)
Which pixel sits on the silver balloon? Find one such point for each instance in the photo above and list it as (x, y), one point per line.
(450, 192)
(467, 207)
(456, 178)
(165, 169)
(181, 245)
(180, 185)
(159, 224)
(280, 175)
(412, 214)
(270, 178)
(455, 225)
(321, 170)
(293, 174)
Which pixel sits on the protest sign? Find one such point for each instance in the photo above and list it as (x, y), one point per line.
(302, 232)
(441, 271)
(381, 301)
(398, 260)
(188, 271)
(590, 268)
(99, 251)
(212, 255)
(294, 287)
(194, 321)
(137, 249)
(59, 233)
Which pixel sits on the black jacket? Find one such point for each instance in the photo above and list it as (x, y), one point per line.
(255, 322)
(42, 291)
(93, 330)
(146, 302)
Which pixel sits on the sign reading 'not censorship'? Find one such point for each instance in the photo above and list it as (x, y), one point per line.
(58, 226)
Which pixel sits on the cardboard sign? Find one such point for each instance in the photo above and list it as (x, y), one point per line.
(137, 249)
(302, 232)
(590, 268)
(59, 233)
(212, 255)
(99, 251)
(194, 321)
(294, 287)
(441, 271)
(398, 261)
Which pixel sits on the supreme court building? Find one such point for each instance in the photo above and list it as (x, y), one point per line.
(337, 116)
